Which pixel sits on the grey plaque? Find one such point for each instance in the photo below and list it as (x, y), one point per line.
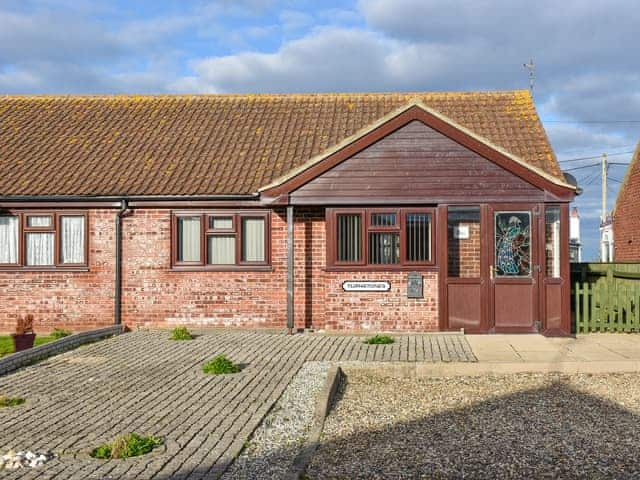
(414, 285)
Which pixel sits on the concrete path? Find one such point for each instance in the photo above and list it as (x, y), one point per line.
(537, 348)
(145, 383)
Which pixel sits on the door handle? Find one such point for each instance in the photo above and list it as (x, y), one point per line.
(492, 272)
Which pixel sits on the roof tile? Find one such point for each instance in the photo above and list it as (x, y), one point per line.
(219, 144)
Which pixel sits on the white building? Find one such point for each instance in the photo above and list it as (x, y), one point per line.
(606, 240)
(575, 245)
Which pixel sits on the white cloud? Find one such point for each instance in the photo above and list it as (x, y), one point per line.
(326, 60)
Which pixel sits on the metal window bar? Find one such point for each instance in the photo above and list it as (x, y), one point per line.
(349, 237)
(418, 237)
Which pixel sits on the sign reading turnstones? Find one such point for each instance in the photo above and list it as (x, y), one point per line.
(366, 286)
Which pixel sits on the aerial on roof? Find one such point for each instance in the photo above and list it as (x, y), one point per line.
(221, 144)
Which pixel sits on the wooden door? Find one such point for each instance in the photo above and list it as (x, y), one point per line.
(464, 269)
(513, 268)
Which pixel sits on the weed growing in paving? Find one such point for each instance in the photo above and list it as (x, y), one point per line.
(125, 446)
(181, 333)
(10, 402)
(59, 333)
(220, 365)
(379, 340)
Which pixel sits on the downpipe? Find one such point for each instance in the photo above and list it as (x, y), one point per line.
(124, 211)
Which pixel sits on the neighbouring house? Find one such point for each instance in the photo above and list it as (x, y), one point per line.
(626, 215)
(575, 242)
(377, 212)
(606, 240)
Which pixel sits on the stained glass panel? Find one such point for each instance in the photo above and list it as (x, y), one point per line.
(513, 244)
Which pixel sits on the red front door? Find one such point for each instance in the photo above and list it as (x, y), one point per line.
(513, 268)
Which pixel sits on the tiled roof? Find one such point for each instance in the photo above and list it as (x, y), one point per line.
(626, 215)
(219, 144)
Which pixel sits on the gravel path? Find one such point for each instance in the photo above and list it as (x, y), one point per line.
(509, 427)
(274, 445)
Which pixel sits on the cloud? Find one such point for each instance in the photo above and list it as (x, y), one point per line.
(326, 60)
(586, 68)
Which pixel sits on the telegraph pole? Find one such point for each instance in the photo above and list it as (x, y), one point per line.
(604, 187)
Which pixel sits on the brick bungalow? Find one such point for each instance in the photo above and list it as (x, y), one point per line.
(379, 212)
(626, 215)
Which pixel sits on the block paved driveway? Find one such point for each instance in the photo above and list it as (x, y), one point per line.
(143, 382)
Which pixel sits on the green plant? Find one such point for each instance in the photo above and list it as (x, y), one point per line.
(59, 333)
(102, 452)
(379, 340)
(10, 401)
(220, 365)
(126, 446)
(181, 333)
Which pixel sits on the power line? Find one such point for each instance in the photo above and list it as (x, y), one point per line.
(589, 179)
(592, 121)
(582, 149)
(582, 166)
(614, 179)
(594, 157)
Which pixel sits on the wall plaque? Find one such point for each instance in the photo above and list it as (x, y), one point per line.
(461, 232)
(414, 285)
(366, 286)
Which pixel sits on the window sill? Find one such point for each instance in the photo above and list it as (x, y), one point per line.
(44, 269)
(383, 268)
(235, 268)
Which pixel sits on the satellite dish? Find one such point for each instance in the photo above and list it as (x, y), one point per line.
(571, 180)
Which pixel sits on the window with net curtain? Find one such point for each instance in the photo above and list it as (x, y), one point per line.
(221, 239)
(42, 235)
(9, 239)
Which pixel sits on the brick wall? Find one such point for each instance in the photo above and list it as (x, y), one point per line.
(320, 298)
(73, 300)
(626, 223)
(154, 295)
(464, 253)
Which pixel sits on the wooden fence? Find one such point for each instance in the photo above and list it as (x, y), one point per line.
(605, 297)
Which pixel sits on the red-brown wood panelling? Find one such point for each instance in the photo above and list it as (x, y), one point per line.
(416, 164)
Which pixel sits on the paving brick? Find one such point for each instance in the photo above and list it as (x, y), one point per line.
(144, 382)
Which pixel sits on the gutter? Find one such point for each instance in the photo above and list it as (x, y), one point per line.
(124, 211)
(120, 198)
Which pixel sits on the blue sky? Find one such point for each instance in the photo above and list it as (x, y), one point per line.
(587, 88)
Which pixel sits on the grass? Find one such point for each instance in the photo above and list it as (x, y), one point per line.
(10, 401)
(126, 446)
(181, 333)
(6, 343)
(379, 340)
(59, 333)
(220, 365)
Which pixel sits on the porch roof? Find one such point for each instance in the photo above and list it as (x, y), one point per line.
(222, 144)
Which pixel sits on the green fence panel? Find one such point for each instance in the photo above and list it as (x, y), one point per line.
(606, 297)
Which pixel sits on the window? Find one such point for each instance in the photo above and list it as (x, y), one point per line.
(43, 240)
(221, 240)
(463, 241)
(380, 238)
(512, 243)
(552, 241)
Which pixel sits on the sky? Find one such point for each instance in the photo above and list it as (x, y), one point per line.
(587, 86)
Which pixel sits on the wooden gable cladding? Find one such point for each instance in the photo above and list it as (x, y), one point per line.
(415, 164)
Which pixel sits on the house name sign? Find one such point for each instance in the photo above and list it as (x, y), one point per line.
(366, 286)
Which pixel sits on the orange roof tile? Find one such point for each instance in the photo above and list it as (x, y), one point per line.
(220, 144)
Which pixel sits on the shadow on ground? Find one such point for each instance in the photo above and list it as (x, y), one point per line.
(551, 432)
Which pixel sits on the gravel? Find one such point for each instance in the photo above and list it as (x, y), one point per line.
(275, 443)
(509, 427)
